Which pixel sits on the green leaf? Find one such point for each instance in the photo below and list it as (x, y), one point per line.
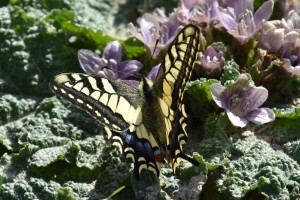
(293, 150)
(199, 93)
(46, 156)
(135, 49)
(83, 36)
(27, 61)
(258, 163)
(288, 113)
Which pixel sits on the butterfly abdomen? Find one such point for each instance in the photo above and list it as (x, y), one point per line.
(152, 115)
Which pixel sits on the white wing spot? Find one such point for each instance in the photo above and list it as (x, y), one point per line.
(108, 87)
(97, 113)
(141, 159)
(142, 166)
(170, 78)
(85, 91)
(89, 106)
(104, 99)
(130, 156)
(175, 70)
(68, 84)
(123, 108)
(78, 86)
(112, 103)
(164, 107)
(108, 131)
(76, 77)
(116, 127)
(96, 95)
(79, 101)
(105, 120)
(93, 82)
(118, 145)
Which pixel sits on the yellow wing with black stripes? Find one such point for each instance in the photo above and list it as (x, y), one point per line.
(170, 83)
(118, 107)
(146, 123)
(113, 104)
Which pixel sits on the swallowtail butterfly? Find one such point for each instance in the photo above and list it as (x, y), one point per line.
(148, 123)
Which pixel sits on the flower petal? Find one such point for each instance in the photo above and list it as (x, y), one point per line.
(149, 29)
(128, 67)
(153, 72)
(113, 50)
(241, 6)
(90, 62)
(227, 21)
(132, 29)
(236, 120)
(131, 83)
(217, 91)
(261, 115)
(263, 13)
(258, 95)
(271, 33)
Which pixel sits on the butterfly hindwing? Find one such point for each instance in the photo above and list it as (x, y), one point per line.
(143, 152)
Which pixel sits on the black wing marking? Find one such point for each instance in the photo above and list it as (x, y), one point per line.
(177, 138)
(143, 152)
(113, 104)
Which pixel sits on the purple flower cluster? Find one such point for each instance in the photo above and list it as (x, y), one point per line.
(238, 23)
(235, 16)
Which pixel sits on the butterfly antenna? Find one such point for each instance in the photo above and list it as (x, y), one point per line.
(152, 55)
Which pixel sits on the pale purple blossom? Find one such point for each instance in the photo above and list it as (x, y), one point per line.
(110, 65)
(157, 26)
(240, 21)
(242, 101)
(272, 31)
(289, 5)
(199, 11)
(212, 61)
(290, 54)
(286, 33)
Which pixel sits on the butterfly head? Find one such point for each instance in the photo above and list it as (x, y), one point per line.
(145, 88)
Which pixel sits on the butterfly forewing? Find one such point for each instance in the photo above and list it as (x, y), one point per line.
(177, 66)
(172, 77)
(113, 104)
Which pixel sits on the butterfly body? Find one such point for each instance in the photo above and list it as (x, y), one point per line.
(148, 123)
